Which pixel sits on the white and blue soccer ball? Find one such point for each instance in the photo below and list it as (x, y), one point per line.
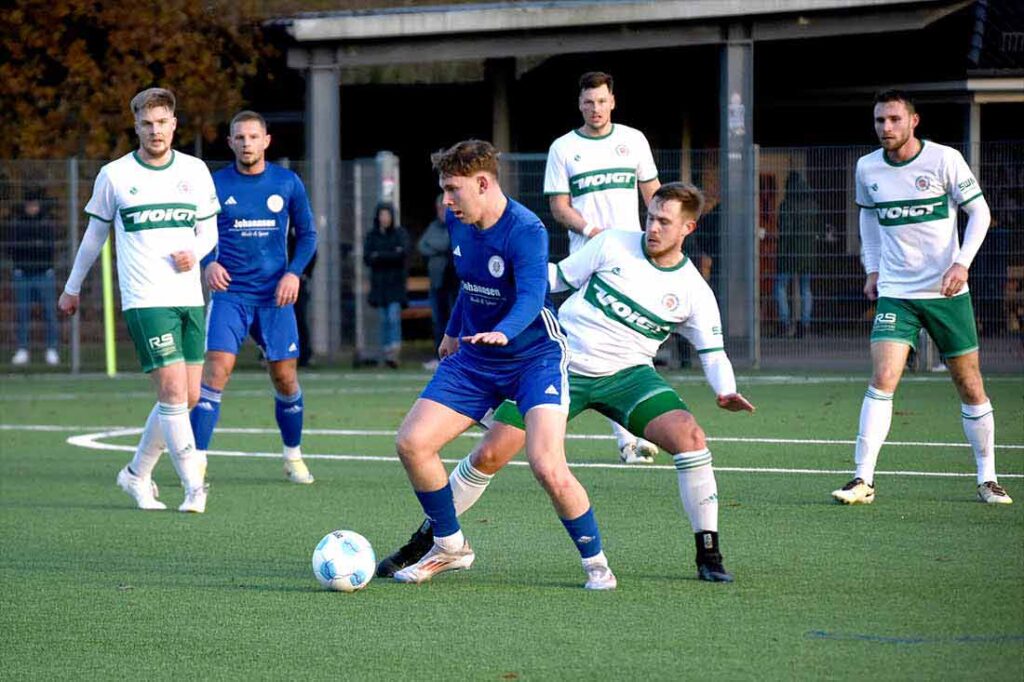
(344, 561)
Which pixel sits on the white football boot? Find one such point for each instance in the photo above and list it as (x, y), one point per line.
(20, 357)
(144, 490)
(297, 471)
(991, 492)
(639, 451)
(855, 492)
(195, 500)
(437, 560)
(600, 577)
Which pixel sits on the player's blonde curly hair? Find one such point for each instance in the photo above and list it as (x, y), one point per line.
(466, 158)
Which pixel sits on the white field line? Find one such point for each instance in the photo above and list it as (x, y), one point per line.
(408, 382)
(130, 430)
(421, 377)
(92, 441)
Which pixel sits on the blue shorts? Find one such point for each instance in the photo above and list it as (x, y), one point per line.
(273, 328)
(474, 387)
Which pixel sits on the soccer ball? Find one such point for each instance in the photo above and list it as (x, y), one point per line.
(344, 561)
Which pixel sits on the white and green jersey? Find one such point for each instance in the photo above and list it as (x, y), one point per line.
(915, 203)
(154, 212)
(624, 306)
(600, 175)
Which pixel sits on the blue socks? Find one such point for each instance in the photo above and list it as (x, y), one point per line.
(584, 533)
(440, 509)
(288, 411)
(204, 416)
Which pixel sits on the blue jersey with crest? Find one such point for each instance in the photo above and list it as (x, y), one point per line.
(503, 272)
(253, 230)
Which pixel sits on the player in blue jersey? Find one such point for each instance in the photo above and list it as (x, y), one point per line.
(502, 341)
(254, 285)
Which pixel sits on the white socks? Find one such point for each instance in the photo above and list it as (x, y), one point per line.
(292, 453)
(451, 543)
(622, 434)
(181, 443)
(468, 484)
(698, 489)
(151, 446)
(875, 420)
(980, 429)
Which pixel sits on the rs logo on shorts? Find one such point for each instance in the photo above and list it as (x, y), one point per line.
(885, 322)
(162, 345)
(895, 213)
(158, 216)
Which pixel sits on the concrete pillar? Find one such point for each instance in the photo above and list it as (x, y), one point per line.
(738, 239)
(972, 146)
(500, 75)
(323, 152)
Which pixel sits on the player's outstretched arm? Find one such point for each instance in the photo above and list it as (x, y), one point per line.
(719, 373)
(92, 243)
(735, 402)
(487, 339)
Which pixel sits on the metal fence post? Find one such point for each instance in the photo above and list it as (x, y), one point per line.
(358, 294)
(75, 340)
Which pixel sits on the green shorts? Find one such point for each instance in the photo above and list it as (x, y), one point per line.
(949, 321)
(163, 336)
(632, 397)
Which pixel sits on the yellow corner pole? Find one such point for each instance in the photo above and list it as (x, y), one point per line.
(109, 341)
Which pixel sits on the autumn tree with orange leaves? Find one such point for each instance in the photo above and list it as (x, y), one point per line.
(68, 69)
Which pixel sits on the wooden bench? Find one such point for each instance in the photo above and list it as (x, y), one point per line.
(418, 289)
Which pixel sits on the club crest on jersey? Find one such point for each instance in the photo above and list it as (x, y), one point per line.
(275, 202)
(184, 187)
(921, 183)
(670, 301)
(496, 266)
(622, 150)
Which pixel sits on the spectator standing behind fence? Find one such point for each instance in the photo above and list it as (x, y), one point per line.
(384, 252)
(32, 253)
(435, 246)
(800, 224)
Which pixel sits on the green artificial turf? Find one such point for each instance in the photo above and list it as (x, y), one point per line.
(926, 583)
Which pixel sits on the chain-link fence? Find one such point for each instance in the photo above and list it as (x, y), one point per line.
(809, 304)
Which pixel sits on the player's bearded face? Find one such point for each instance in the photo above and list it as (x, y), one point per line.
(155, 127)
(249, 142)
(596, 105)
(667, 227)
(894, 124)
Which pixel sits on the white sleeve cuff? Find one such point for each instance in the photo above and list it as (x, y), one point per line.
(718, 371)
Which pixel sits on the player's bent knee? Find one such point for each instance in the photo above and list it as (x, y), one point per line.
(411, 448)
